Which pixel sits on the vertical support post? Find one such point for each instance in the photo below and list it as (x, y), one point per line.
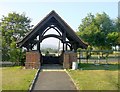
(98, 58)
(64, 40)
(63, 47)
(38, 46)
(58, 47)
(71, 48)
(66, 46)
(75, 48)
(27, 49)
(39, 41)
(30, 46)
(79, 56)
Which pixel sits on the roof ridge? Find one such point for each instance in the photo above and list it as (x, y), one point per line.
(42, 24)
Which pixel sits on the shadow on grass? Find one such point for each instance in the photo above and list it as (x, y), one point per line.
(85, 66)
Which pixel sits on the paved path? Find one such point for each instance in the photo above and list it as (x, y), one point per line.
(52, 67)
(54, 80)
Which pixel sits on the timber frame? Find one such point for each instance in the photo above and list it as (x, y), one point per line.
(52, 20)
(66, 35)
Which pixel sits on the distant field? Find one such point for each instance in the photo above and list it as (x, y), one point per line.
(92, 77)
(16, 78)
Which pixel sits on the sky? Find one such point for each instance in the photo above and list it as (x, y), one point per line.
(71, 11)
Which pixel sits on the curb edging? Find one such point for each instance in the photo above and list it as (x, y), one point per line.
(72, 79)
(34, 80)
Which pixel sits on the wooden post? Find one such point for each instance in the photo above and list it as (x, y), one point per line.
(75, 48)
(30, 46)
(38, 46)
(39, 41)
(66, 46)
(63, 47)
(71, 48)
(27, 47)
(64, 40)
(58, 47)
(79, 56)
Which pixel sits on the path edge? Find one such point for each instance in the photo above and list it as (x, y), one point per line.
(34, 80)
(72, 79)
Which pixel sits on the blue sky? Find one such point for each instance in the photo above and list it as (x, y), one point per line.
(71, 12)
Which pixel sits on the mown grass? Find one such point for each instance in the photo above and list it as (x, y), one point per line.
(17, 78)
(0, 78)
(92, 77)
(91, 66)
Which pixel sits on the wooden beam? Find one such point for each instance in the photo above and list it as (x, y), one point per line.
(66, 46)
(39, 42)
(53, 19)
(38, 46)
(63, 47)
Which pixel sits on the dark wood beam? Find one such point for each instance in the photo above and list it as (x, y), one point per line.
(38, 46)
(66, 46)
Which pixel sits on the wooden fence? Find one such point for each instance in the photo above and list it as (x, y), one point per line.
(98, 56)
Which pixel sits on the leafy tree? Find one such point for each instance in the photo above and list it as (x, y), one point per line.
(14, 52)
(117, 26)
(14, 27)
(112, 38)
(86, 27)
(98, 31)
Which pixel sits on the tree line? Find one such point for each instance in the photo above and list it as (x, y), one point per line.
(100, 31)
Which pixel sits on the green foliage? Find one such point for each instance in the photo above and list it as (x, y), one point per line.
(112, 38)
(50, 50)
(99, 31)
(14, 27)
(46, 53)
(118, 39)
(117, 26)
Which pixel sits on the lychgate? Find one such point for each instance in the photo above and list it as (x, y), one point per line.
(34, 59)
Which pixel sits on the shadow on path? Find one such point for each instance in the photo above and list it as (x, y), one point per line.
(52, 67)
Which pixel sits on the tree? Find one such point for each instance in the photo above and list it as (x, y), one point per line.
(98, 31)
(117, 26)
(86, 29)
(112, 38)
(14, 27)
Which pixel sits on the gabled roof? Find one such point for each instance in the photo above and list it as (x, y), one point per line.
(53, 17)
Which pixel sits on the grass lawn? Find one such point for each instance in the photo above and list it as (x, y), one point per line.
(17, 78)
(0, 78)
(91, 77)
